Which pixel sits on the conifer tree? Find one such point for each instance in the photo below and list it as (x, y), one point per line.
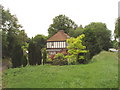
(44, 55)
(30, 53)
(17, 57)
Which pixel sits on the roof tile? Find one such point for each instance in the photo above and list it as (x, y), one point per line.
(59, 36)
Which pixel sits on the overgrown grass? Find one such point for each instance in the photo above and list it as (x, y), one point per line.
(102, 72)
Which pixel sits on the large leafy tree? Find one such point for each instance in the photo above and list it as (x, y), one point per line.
(75, 33)
(13, 36)
(11, 31)
(97, 38)
(90, 41)
(40, 40)
(61, 22)
(75, 49)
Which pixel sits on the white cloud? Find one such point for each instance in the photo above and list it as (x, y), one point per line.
(36, 15)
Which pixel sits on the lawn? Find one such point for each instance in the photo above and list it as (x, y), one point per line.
(102, 72)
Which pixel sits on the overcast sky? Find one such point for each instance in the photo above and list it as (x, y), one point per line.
(36, 15)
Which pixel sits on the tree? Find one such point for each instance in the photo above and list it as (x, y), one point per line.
(90, 41)
(38, 54)
(75, 33)
(35, 49)
(31, 52)
(97, 38)
(22, 37)
(44, 55)
(24, 60)
(115, 44)
(61, 22)
(40, 40)
(75, 48)
(117, 28)
(11, 33)
(17, 57)
(13, 38)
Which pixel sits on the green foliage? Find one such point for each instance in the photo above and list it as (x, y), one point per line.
(117, 28)
(75, 33)
(59, 56)
(35, 49)
(91, 43)
(22, 37)
(102, 73)
(17, 57)
(38, 55)
(75, 47)
(13, 38)
(24, 61)
(31, 52)
(115, 44)
(49, 60)
(97, 38)
(61, 22)
(25, 49)
(40, 40)
(59, 59)
(44, 55)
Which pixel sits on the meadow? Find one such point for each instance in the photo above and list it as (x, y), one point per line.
(101, 72)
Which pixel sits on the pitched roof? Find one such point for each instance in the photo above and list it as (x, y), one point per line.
(59, 36)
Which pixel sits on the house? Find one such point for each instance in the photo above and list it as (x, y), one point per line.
(57, 43)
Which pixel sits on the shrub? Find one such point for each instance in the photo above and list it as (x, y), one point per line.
(52, 57)
(71, 60)
(49, 60)
(59, 56)
(59, 59)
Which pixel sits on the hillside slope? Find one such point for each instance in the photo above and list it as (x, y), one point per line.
(102, 72)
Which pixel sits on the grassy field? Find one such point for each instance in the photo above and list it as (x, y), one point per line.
(102, 72)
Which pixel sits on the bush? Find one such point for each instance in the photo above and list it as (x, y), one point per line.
(59, 59)
(49, 60)
(52, 57)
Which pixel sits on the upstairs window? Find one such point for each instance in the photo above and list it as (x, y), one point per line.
(52, 43)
